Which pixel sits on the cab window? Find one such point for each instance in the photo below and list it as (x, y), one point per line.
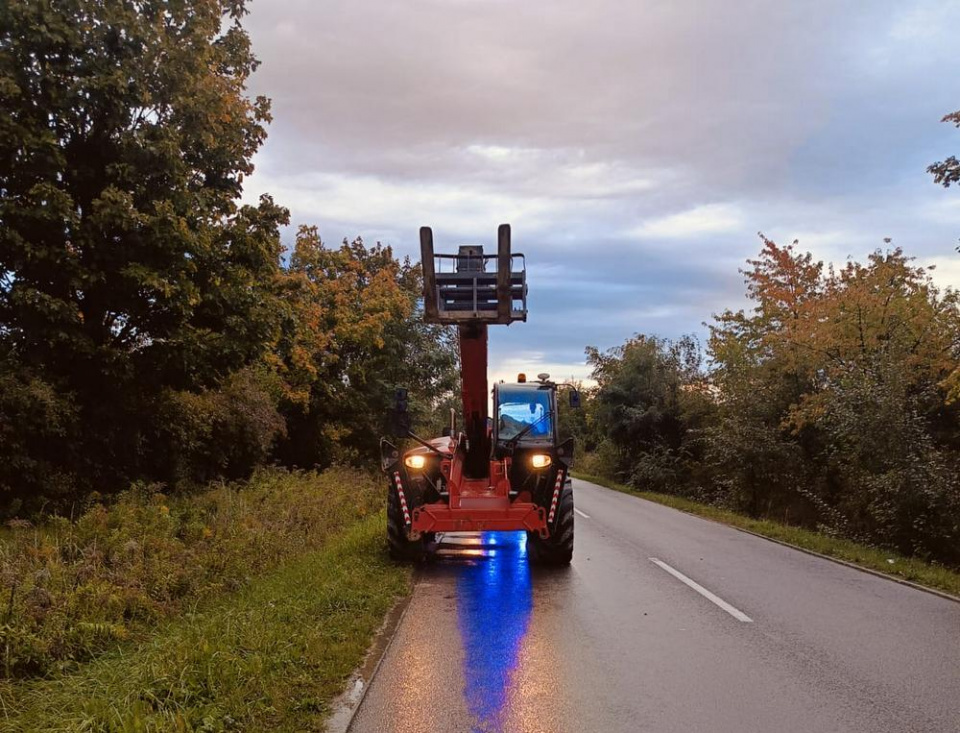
(519, 409)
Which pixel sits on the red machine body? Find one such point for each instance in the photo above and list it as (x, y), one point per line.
(480, 478)
(479, 487)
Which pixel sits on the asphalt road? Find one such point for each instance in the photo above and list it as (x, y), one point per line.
(725, 632)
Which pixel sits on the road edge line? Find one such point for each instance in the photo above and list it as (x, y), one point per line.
(382, 641)
(837, 560)
(870, 571)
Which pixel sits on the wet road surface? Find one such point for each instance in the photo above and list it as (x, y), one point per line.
(664, 622)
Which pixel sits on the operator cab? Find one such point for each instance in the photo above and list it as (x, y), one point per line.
(525, 414)
(525, 431)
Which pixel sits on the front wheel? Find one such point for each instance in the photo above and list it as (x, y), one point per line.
(400, 547)
(557, 549)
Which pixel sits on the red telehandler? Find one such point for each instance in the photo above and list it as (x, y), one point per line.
(502, 474)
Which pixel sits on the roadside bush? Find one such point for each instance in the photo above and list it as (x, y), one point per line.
(756, 469)
(225, 432)
(657, 468)
(652, 404)
(35, 422)
(896, 485)
(601, 462)
(71, 589)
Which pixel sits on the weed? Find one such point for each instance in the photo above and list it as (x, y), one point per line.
(270, 657)
(70, 591)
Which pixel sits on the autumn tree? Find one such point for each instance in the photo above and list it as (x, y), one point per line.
(947, 171)
(353, 334)
(762, 367)
(833, 405)
(129, 274)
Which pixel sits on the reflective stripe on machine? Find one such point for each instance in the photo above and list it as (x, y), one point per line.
(403, 499)
(556, 496)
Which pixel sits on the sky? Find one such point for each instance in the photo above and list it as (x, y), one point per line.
(636, 147)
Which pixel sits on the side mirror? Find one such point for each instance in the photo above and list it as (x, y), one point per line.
(565, 452)
(400, 419)
(574, 399)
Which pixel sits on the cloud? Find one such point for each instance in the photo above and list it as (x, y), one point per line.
(700, 220)
(946, 272)
(636, 146)
(942, 211)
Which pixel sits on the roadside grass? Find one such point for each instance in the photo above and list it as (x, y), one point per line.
(913, 569)
(270, 657)
(73, 590)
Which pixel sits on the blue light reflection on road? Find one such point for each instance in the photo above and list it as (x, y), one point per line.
(494, 604)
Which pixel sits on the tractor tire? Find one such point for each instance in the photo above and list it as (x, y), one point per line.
(399, 546)
(557, 549)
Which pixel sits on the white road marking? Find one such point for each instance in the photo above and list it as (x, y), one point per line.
(582, 514)
(737, 614)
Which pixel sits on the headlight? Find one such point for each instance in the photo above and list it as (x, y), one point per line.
(540, 460)
(415, 462)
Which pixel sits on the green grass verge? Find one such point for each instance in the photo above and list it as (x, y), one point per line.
(917, 571)
(270, 657)
(72, 590)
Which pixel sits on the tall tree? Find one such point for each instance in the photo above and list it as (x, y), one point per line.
(127, 268)
(947, 171)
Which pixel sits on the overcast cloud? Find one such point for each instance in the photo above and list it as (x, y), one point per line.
(636, 147)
